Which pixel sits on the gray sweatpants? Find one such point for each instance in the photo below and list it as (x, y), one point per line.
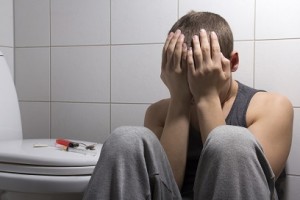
(134, 166)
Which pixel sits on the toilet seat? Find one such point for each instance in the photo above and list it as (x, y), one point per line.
(20, 156)
(34, 169)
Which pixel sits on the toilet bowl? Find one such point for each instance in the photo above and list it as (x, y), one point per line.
(46, 169)
(36, 165)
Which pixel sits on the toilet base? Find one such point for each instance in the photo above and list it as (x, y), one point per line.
(33, 196)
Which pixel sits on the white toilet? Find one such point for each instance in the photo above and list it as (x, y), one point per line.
(36, 166)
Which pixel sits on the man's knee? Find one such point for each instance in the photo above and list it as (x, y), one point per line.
(231, 141)
(128, 138)
(131, 133)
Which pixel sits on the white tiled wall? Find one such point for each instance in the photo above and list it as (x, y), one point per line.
(77, 22)
(32, 19)
(7, 32)
(80, 74)
(277, 67)
(138, 21)
(82, 121)
(245, 72)
(277, 20)
(83, 68)
(33, 73)
(35, 119)
(131, 75)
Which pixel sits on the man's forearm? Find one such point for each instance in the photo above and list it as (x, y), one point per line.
(210, 115)
(174, 138)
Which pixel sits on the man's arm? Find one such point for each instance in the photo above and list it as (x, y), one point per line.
(271, 122)
(208, 77)
(173, 134)
(170, 123)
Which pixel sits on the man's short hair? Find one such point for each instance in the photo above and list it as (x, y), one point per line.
(191, 24)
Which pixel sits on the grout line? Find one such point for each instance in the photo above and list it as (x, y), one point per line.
(105, 103)
(298, 175)
(134, 103)
(91, 102)
(254, 44)
(110, 72)
(50, 74)
(178, 9)
(276, 39)
(77, 102)
(14, 42)
(7, 46)
(154, 43)
(79, 45)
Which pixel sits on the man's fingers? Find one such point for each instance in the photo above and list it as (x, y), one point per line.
(197, 51)
(184, 57)
(215, 47)
(205, 46)
(164, 54)
(167, 42)
(172, 44)
(190, 61)
(178, 53)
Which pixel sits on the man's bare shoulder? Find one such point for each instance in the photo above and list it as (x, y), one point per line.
(266, 103)
(270, 119)
(156, 115)
(161, 104)
(158, 110)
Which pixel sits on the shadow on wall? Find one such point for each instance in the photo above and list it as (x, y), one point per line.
(281, 186)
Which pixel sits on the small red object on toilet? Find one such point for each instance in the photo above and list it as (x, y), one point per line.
(67, 143)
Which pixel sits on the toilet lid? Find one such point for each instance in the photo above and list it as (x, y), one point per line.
(21, 156)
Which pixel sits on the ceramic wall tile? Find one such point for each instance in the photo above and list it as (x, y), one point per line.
(292, 191)
(76, 22)
(33, 73)
(135, 74)
(127, 115)
(293, 164)
(80, 74)
(245, 72)
(32, 23)
(80, 121)
(35, 118)
(8, 53)
(137, 21)
(277, 19)
(277, 67)
(6, 23)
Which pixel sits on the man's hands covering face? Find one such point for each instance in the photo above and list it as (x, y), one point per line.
(208, 69)
(200, 72)
(174, 67)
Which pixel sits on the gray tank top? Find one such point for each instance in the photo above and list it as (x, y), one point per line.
(236, 117)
